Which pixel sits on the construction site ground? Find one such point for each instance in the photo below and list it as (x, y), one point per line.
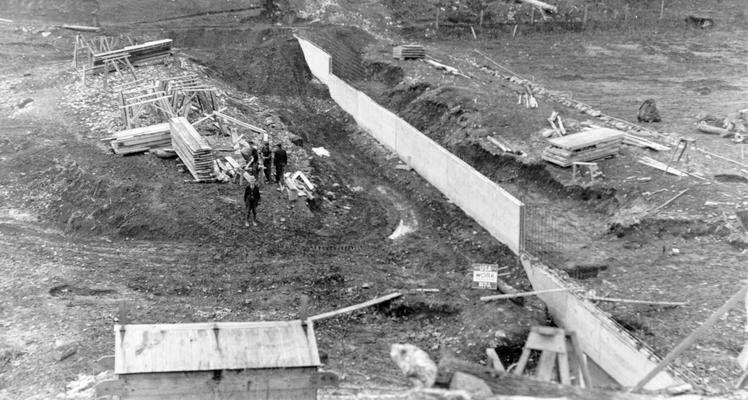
(84, 231)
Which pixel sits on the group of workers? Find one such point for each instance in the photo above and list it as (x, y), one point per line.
(262, 159)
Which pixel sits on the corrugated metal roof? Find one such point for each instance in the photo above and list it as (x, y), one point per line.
(210, 346)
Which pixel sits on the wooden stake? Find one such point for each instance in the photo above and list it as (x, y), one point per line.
(345, 310)
(584, 18)
(473, 30)
(688, 341)
(522, 294)
(480, 19)
(629, 301)
(662, 8)
(438, 10)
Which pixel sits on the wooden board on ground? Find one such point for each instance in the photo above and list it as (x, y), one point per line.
(513, 385)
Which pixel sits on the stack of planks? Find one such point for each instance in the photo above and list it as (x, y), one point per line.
(192, 149)
(408, 51)
(137, 54)
(588, 145)
(139, 140)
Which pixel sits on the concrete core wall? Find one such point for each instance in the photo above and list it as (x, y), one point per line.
(495, 209)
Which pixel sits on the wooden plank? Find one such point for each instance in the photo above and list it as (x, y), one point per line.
(665, 204)
(81, 28)
(494, 359)
(688, 341)
(521, 294)
(355, 307)
(240, 123)
(651, 162)
(517, 385)
(645, 302)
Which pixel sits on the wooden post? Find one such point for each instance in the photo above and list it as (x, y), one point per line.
(688, 341)
(480, 19)
(532, 16)
(438, 10)
(584, 18)
(662, 9)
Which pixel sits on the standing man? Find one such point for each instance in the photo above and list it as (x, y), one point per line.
(267, 157)
(251, 200)
(280, 159)
(252, 158)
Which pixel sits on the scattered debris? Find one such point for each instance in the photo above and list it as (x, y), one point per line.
(541, 5)
(503, 147)
(321, 151)
(706, 128)
(593, 171)
(65, 350)
(587, 145)
(557, 124)
(415, 364)
(446, 68)
(408, 52)
(404, 167)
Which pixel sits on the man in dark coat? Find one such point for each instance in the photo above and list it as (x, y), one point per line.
(280, 159)
(267, 157)
(252, 157)
(251, 200)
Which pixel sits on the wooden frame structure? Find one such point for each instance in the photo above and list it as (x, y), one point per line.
(216, 360)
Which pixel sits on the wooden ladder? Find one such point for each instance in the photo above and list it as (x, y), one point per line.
(554, 344)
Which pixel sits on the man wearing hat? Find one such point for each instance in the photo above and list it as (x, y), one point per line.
(251, 200)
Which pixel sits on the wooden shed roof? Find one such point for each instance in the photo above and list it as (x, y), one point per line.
(587, 137)
(213, 346)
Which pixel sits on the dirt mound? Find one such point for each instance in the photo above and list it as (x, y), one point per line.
(268, 62)
(345, 45)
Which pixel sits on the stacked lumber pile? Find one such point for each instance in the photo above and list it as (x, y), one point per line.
(192, 149)
(137, 54)
(587, 145)
(142, 139)
(408, 51)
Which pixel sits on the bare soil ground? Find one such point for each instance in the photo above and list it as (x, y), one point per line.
(83, 230)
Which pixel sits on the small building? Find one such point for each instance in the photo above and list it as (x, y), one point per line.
(230, 360)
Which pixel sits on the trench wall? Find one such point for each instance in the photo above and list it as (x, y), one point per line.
(495, 209)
